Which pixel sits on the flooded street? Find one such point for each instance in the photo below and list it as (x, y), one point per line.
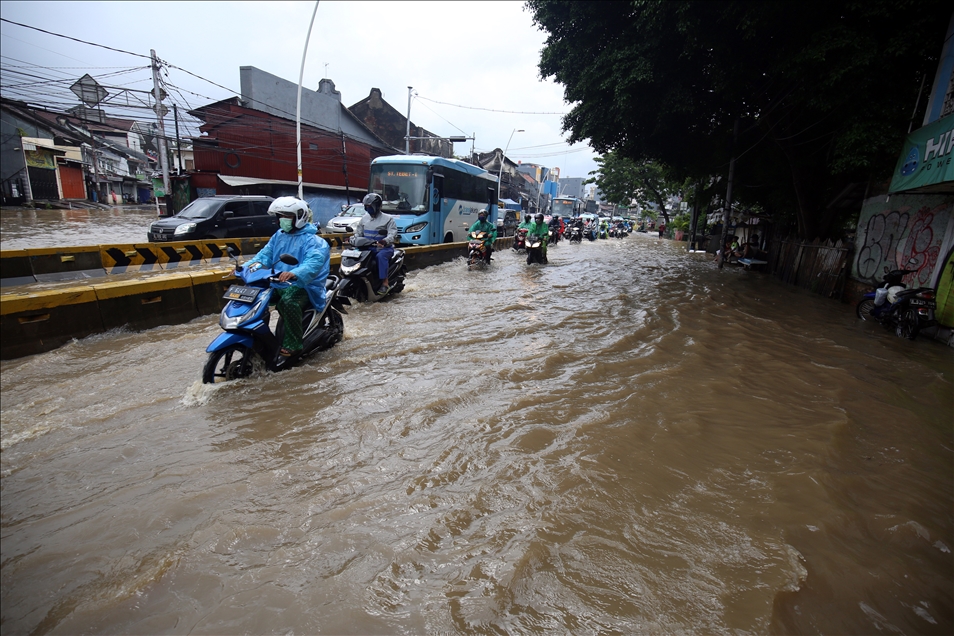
(625, 440)
(23, 228)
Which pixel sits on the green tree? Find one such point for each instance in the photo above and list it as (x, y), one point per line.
(622, 181)
(823, 95)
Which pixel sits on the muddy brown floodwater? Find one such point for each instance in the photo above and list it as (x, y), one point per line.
(25, 228)
(625, 440)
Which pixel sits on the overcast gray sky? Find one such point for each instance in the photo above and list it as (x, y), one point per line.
(476, 54)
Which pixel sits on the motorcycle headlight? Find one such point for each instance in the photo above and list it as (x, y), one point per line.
(233, 322)
(417, 227)
(185, 228)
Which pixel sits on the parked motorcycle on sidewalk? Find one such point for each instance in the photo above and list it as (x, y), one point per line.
(893, 305)
(359, 271)
(478, 256)
(249, 343)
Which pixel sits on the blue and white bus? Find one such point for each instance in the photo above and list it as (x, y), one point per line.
(433, 200)
(567, 206)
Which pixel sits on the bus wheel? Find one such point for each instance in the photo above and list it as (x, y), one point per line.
(449, 237)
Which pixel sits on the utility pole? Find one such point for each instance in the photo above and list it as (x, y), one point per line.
(27, 188)
(175, 114)
(728, 198)
(407, 136)
(344, 168)
(163, 153)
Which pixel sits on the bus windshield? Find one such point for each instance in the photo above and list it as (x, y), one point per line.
(563, 207)
(403, 188)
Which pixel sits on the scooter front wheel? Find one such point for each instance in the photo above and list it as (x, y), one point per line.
(230, 363)
(864, 309)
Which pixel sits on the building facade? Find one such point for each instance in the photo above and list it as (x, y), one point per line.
(248, 145)
(391, 126)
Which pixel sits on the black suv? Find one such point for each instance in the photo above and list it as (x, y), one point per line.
(223, 216)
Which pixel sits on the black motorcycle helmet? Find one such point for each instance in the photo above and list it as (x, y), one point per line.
(538, 217)
(372, 203)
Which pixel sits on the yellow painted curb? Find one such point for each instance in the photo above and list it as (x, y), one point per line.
(119, 289)
(49, 299)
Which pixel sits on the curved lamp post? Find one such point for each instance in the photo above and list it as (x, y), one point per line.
(502, 159)
(301, 75)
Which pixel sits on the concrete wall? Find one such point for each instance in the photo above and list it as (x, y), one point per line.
(895, 230)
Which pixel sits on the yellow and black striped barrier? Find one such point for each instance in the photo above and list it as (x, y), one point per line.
(23, 267)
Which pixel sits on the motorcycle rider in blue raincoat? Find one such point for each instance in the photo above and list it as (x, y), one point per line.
(299, 237)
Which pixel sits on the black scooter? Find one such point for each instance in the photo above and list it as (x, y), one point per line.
(359, 271)
(535, 245)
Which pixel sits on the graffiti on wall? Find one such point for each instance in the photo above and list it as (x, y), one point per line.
(903, 233)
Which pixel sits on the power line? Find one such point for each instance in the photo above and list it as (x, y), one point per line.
(492, 110)
(439, 115)
(59, 35)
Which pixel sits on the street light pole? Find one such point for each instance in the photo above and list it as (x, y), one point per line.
(407, 135)
(500, 171)
(301, 75)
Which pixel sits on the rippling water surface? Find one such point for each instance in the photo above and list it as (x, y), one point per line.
(626, 440)
(23, 228)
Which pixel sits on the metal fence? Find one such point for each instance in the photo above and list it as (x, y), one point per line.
(820, 266)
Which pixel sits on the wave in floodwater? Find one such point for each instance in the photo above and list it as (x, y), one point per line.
(624, 440)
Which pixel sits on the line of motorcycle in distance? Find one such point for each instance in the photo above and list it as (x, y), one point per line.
(478, 246)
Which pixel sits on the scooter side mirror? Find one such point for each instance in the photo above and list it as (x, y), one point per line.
(288, 259)
(234, 254)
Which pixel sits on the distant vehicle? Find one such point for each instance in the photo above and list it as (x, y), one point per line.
(433, 200)
(507, 225)
(223, 216)
(567, 206)
(345, 220)
(590, 206)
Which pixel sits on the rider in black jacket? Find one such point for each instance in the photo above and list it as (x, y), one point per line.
(555, 224)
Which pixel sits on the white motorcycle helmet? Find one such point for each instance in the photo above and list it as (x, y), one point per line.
(292, 206)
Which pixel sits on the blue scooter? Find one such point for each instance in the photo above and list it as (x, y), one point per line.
(248, 342)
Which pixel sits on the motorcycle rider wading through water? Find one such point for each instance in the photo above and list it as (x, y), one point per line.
(541, 229)
(483, 225)
(380, 228)
(299, 237)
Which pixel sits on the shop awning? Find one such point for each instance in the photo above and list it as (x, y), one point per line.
(247, 181)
